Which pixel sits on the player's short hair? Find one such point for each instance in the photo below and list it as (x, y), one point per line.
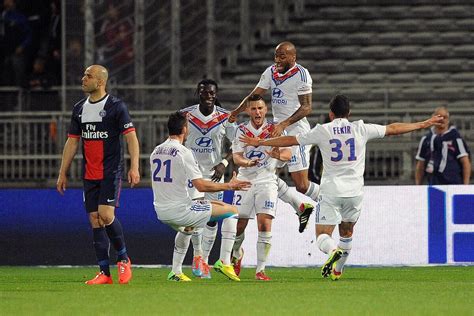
(176, 123)
(255, 97)
(340, 105)
(206, 82)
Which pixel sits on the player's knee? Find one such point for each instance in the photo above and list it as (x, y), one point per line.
(94, 220)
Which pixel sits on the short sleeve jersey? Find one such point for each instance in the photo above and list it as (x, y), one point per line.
(172, 165)
(264, 170)
(441, 154)
(206, 136)
(342, 145)
(100, 124)
(285, 89)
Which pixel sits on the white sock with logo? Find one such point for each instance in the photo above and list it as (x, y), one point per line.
(326, 244)
(181, 244)
(287, 195)
(345, 244)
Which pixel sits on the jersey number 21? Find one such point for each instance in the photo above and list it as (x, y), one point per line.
(167, 166)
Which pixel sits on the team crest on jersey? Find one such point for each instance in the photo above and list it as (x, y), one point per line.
(102, 113)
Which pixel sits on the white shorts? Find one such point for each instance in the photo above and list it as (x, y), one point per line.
(333, 210)
(259, 199)
(195, 194)
(300, 155)
(299, 158)
(196, 215)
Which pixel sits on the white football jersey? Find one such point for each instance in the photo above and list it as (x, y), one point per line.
(264, 171)
(343, 145)
(172, 165)
(285, 89)
(206, 136)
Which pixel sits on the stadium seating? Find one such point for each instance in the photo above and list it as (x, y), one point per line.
(377, 44)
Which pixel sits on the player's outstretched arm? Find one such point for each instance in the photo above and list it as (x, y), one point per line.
(69, 151)
(419, 172)
(402, 128)
(243, 105)
(282, 141)
(303, 111)
(134, 151)
(208, 186)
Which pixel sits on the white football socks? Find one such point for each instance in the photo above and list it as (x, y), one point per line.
(208, 238)
(326, 244)
(237, 248)
(313, 191)
(228, 230)
(181, 244)
(196, 238)
(345, 244)
(287, 195)
(264, 243)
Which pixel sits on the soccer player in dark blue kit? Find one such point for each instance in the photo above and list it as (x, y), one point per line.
(443, 155)
(100, 120)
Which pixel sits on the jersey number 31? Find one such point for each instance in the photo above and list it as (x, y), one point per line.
(337, 149)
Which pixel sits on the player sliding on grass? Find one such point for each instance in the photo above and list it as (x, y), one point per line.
(172, 166)
(258, 165)
(343, 145)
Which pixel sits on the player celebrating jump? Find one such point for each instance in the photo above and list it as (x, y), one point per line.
(343, 145)
(291, 91)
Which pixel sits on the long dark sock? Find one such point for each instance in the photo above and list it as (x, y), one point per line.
(101, 246)
(115, 233)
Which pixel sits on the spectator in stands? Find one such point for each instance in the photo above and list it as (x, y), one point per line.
(75, 61)
(39, 78)
(443, 155)
(116, 47)
(15, 39)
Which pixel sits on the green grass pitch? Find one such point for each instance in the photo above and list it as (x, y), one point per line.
(293, 291)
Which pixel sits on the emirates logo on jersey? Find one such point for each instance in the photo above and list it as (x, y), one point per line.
(91, 133)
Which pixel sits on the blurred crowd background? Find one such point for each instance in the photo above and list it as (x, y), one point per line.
(397, 60)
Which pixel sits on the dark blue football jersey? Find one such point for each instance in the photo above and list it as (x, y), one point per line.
(100, 124)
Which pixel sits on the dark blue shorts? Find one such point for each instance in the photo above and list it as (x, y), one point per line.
(101, 192)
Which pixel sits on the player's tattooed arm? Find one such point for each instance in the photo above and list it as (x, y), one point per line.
(303, 111)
